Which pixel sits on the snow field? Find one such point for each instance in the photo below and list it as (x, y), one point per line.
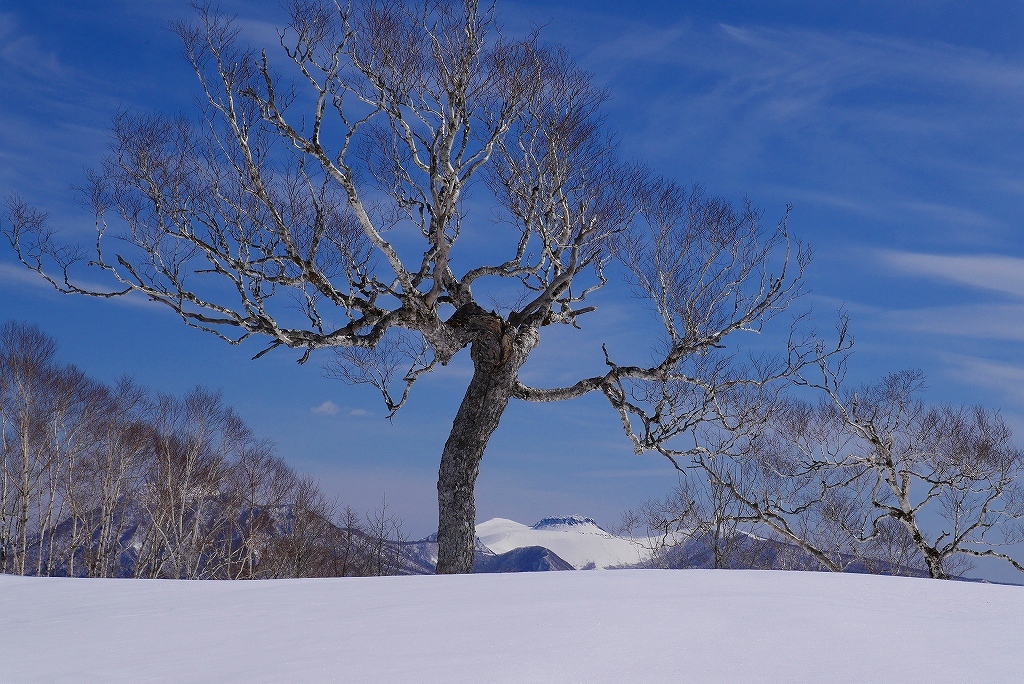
(559, 627)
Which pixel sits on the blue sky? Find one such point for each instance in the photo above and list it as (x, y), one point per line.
(895, 129)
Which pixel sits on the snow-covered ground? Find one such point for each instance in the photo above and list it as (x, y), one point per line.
(617, 626)
(577, 540)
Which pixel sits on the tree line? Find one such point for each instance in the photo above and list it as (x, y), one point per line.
(102, 480)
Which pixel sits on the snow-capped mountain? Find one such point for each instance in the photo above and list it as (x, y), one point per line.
(577, 523)
(579, 541)
(571, 542)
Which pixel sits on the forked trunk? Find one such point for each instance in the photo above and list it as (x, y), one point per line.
(496, 362)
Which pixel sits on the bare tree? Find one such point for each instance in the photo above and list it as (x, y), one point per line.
(116, 473)
(259, 486)
(695, 525)
(46, 416)
(75, 490)
(348, 561)
(875, 478)
(950, 476)
(752, 495)
(197, 441)
(26, 372)
(891, 550)
(300, 228)
(770, 466)
(385, 541)
(304, 549)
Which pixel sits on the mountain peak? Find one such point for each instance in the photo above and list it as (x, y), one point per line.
(566, 522)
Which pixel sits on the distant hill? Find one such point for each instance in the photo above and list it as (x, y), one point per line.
(571, 542)
(524, 559)
(578, 542)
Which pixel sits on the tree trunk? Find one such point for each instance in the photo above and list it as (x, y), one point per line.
(497, 356)
(935, 562)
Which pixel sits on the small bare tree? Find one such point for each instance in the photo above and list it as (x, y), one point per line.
(197, 442)
(45, 420)
(695, 525)
(100, 485)
(751, 491)
(385, 541)
(340, 228)
(875, 478)
(304, 547)
(349, 559)
(259, 487)
(26, 372)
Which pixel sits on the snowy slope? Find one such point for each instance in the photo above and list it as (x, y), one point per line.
(577, 540)
(553, 627)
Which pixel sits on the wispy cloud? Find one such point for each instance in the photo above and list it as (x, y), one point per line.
(983, 322)
(792, 71)
(960, 216)
(1005, 378)
(27, 57)
(53, 115)
(979, 320)
(861, 55)
(26, 54)
(258, 31)
(849, 119)
(19, 275)
(840, 201)
(328, 408)
(986, 271)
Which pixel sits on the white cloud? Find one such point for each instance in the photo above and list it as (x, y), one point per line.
(24, 53)
(945, 213)
(846, 102)
(359, 412)
(812, 60)
(795, 72)
(985, 271)
(259, 32)
(1003, 378)
(830, 199)
(978, 321)
(18, 274)
(328, 408)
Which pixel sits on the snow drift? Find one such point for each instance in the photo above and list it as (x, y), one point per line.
(554, 627)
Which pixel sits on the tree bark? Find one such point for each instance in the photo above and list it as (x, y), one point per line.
(497, 353)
